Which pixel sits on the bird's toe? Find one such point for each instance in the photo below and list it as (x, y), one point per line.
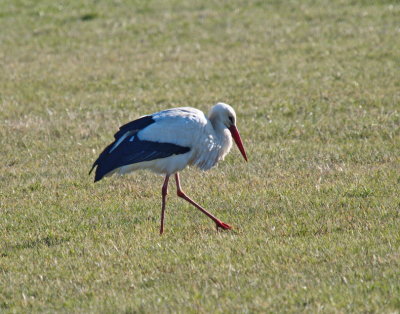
(223, 225)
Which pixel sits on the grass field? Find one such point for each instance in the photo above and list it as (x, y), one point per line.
(316, 87)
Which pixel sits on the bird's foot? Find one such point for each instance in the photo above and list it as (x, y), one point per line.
(222, 225)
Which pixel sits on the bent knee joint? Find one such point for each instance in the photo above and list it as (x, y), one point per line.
(180, 193)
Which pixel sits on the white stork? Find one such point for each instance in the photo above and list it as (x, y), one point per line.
(168, 141)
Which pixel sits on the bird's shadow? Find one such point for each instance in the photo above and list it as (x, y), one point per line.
(48, 241)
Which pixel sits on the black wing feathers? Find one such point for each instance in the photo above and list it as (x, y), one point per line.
(132, 150)
(135, 125)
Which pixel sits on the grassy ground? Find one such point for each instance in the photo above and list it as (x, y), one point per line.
(316, 87)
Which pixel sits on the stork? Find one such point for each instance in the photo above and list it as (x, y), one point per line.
(168, 141)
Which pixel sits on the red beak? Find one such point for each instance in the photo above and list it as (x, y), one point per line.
(238, 140)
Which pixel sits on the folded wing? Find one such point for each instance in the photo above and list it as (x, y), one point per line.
(128, 149)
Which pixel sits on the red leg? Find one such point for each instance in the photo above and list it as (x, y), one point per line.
(164, 199)
(180, 193)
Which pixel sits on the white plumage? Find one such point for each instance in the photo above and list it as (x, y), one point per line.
(168, 141)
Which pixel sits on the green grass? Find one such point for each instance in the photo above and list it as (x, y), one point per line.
(316, 216)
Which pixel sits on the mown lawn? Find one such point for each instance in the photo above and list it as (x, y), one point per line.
(316, 210)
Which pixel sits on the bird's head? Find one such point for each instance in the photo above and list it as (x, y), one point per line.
(223, 113)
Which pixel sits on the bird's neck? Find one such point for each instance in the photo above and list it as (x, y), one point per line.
(217, 124)
(219, 127)
(222, 133)
(217, 144)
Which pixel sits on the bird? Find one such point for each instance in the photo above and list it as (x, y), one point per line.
(166, 142)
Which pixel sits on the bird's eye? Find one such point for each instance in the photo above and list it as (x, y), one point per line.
(231, 119)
